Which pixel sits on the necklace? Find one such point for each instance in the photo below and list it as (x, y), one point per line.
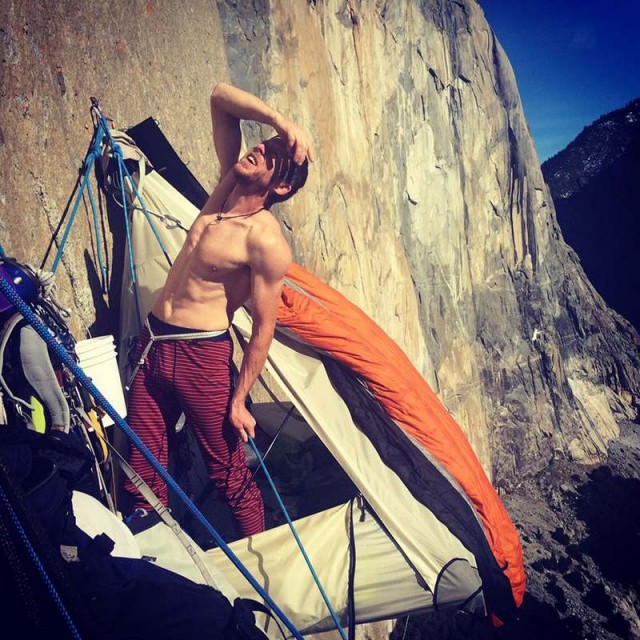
(220, 217)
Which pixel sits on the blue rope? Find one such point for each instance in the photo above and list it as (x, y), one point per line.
(144, 207)
(297, 538)
(117, 152)
(102, 130)
(64, 357)
(38, 563)
(2, 252)
(88, 164)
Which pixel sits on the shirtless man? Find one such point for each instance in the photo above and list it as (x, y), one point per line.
(234, 253)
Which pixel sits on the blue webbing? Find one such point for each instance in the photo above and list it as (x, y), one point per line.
(87, 166)
(297, 538)
(117, 153)
(38, 563)
(102, 130)
(63, 355)
(89, 161)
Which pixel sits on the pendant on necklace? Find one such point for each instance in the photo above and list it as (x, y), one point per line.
(220, 218)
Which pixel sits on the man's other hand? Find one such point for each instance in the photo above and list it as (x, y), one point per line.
(243, 422)
(298, 141)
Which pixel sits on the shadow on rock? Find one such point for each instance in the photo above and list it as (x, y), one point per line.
(608, 505)
(537, 620)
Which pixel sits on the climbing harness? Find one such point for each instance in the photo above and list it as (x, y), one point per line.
(153, 338)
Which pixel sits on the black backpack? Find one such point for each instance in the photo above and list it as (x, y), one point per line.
(108, 597)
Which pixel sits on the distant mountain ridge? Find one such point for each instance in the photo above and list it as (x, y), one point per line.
(595, 185)
(597, 146)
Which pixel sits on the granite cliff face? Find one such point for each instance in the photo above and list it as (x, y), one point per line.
(426, 205)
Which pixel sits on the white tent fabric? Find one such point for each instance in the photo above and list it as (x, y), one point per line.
(94, 518)
(302, 376)
(424, 540)
(385, 584)
(162, 545)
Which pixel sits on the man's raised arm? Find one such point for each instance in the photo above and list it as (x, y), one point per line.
(229, 105)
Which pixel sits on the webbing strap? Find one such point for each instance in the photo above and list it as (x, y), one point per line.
(89, 161)
(162, 511)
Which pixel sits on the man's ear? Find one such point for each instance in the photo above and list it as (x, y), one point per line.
(281, 189)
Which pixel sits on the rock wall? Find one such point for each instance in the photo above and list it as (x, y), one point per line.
(426, 205)
(140, 59)
(427, 208)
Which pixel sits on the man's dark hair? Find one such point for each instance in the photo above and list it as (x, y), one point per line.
(296, 176)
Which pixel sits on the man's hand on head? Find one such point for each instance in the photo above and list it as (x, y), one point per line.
(242, 421)
(298, 141)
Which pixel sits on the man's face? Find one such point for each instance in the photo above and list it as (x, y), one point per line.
(267, 164)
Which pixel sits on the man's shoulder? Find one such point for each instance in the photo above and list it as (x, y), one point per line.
(266, 229)
(266, 242)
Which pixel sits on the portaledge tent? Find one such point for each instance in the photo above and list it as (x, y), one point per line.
(430, 530)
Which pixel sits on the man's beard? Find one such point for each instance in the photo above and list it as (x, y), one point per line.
(250, 183)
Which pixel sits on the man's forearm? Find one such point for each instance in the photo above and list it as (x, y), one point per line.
(244, 105)
(253, 361)
(229, 105)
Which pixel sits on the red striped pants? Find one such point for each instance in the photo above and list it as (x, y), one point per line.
(191, 377)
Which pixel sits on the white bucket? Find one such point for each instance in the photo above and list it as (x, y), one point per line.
(98, 359)
(94, 344)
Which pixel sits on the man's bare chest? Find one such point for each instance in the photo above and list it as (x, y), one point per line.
(217, 250)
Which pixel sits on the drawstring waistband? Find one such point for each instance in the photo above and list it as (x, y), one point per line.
(186, 334)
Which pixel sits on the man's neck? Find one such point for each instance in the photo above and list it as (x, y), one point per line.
(241, 201)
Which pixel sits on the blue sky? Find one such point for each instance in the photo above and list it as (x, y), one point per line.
(574, 61)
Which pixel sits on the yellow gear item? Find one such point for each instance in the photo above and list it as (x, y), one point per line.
(38, 417)
(99, 431)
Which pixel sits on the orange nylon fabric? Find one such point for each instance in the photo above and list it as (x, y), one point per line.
(327, 321)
